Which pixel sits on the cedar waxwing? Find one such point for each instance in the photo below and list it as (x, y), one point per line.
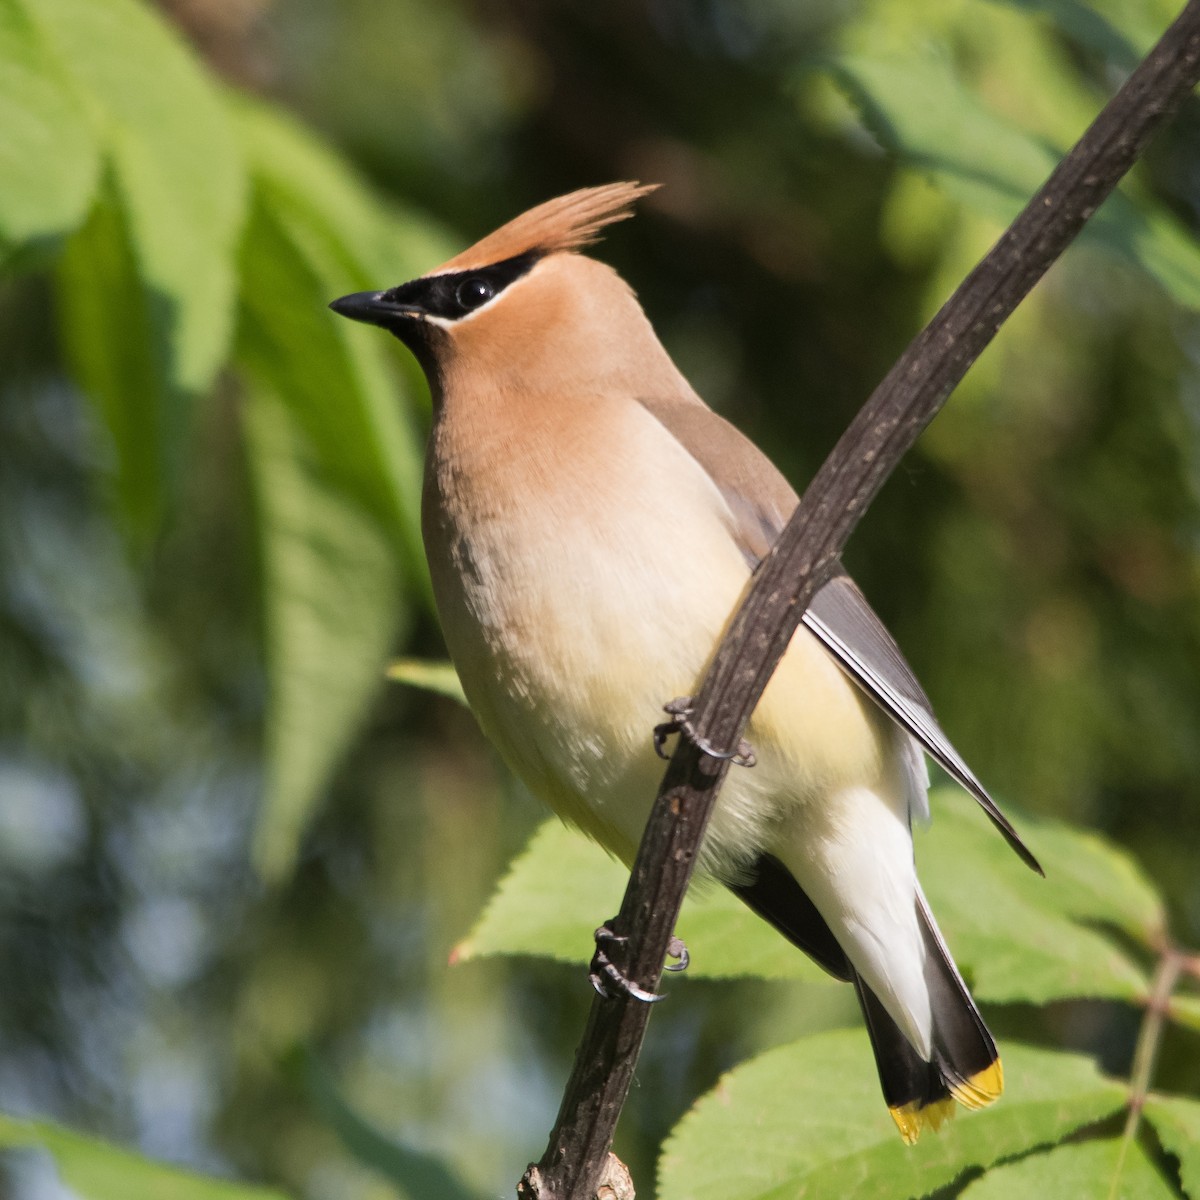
(591, 526)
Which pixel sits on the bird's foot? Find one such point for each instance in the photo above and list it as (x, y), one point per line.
(680, 711)
(678, 950)
(610, 981)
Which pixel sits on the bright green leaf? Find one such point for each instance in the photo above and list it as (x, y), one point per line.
(439, 677)
(807, 1120)
(562, 886)
(916, 107)
(174, 158)
(332, 372)
(378, 244)
(333, 601)
(1185, 1010)
(49, 159)
(96, 1170)
(1021, 937)
(361, 454)
(1097, 1170)
(1176, 1120)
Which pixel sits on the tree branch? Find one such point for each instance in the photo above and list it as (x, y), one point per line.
(883, 431)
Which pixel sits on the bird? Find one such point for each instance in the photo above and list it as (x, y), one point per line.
(590, 526)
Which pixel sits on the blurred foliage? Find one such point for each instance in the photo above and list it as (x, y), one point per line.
(236, 860)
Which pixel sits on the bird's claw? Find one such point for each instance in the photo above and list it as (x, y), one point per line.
(608, 979)
(677, 949)
(680, 711)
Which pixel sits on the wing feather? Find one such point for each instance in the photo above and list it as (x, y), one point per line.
(760, 502)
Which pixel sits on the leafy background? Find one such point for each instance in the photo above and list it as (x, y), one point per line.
(243, 872)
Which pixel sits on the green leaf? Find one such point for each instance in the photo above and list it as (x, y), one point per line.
(1185, 1010)
(917, 107)
(49, 159)
(173, 154)
(332, 594)
(1020, 937)
(1176, 1120)
(96, 1170)
(333, 373)
(1096, 1170)
(309, 224)
(118, 354)
(439, 677)
(562, 886)
(808, 1120)
(377, 242)
(417, 1173)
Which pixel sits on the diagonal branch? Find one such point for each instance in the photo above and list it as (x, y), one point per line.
(883, 431)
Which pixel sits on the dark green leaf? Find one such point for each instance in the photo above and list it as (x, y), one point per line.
(918, 108)
(1176, 1120)
(417, 1173)
(1099, 1170)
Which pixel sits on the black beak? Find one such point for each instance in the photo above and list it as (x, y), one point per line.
(373, 308)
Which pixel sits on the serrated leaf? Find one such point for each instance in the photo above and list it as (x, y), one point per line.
(332, 372)
(382, 244)
(1176, 1120)
(174, 159)
(49, 159)
(1096, 1170)
(332, 595)
(1020, 937)
(97, 1170)
(117, 353)
(917, 107)
(562, 886)
(361, 440)
(439, 677)
(807, 1120)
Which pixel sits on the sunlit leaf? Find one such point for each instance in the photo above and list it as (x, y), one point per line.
(49, 159)
(1096, 1170)
(1021, 937)
(1018, 936)
(1176, 1120)
(170, 144)
(807, 1120)
(562, 886)
(96, 1170)
(918, 108)
(310, 224)
(332, 594)
(439, 677)
(297, 257)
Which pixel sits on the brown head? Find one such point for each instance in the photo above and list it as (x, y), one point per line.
(522, 308)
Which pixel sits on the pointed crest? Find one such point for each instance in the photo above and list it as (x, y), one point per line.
(565, 223)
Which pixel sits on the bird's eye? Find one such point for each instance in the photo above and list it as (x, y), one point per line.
(473, 292)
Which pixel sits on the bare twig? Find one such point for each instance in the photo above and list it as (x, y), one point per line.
(1170, 964)
(886, 427)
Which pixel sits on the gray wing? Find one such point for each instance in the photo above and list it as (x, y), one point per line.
(847, 625)
(761, 502)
